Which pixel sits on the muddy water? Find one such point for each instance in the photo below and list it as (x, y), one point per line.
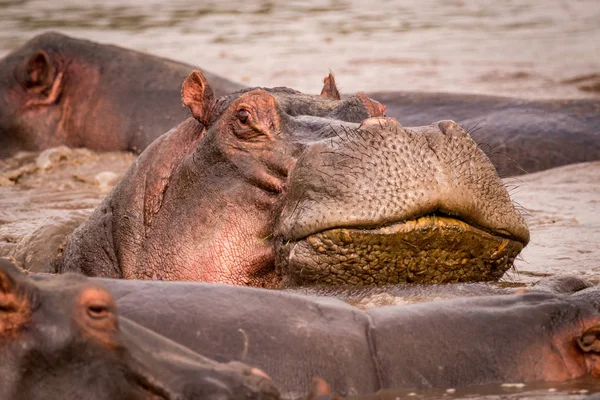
(44, 196)
(526, 48)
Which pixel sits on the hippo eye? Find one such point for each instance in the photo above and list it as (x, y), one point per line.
(97, 311)
(243, 115)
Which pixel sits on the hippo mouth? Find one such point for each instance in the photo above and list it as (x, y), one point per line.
(428, 249)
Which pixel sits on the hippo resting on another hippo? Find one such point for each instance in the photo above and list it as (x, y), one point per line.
(512, 338)
(275, 188)
(62, 339)
(58, 90)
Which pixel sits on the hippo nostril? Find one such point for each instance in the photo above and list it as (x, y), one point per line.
(381, 121)
(98, 311)
(451, 128)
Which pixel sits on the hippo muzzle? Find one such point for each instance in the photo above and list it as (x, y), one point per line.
(378, 203)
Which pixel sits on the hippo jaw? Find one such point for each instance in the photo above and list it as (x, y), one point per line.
(452, 228)
(428, 249)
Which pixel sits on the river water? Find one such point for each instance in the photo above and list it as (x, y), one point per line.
(525, 48)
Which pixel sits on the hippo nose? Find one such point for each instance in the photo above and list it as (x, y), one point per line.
(382, 121)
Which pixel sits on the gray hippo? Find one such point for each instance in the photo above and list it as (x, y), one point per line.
(519, 136)
(56, 90)
(59, 90)
(63, 339)
(550, 336)
(275, 188)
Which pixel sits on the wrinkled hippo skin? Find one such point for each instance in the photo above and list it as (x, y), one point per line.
(512, 338)
(56, 90)
(117, 99)
(275, 188)
(62, 338)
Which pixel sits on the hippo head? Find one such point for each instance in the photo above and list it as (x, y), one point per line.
(57, 90)
(274, 188)
(61, 338)
(32, 102)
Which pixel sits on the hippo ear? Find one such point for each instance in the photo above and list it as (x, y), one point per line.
(197, 95)
(14, 307)
(42, 80)
(38, 70)
(330, 90)
(373, 107)
(589, 342)
(8, 273)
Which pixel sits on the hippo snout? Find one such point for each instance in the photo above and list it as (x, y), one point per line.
(383, 203)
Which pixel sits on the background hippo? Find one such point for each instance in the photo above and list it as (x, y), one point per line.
(136, 98)
(519, 136)
(56, 90)
(272, 188)
(62, 339)
(444, 344)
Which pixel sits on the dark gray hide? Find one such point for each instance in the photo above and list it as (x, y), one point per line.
(518, 135)
(293, 338)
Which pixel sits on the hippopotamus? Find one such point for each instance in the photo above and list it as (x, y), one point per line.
(56, 90)
(519, 136)
(276, 188)
(63, 338)
(135, 98)
(543, 336)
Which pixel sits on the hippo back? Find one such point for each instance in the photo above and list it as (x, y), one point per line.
(290, 337)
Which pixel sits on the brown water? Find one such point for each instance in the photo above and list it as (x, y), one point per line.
(44, 196)
(526, 48)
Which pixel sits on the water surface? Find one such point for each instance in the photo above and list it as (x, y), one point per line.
(526, 48)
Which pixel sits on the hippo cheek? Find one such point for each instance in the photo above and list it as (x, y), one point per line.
(430, 249)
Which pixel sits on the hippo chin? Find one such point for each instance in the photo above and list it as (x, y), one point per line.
(56, 90)
(62, 339)
(275, 188)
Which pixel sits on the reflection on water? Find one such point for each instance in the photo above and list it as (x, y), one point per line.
(517, 47)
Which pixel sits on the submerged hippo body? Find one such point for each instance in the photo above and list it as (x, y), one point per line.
(513, 338)
(62, 339)
(275, 188)
(56, 90)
